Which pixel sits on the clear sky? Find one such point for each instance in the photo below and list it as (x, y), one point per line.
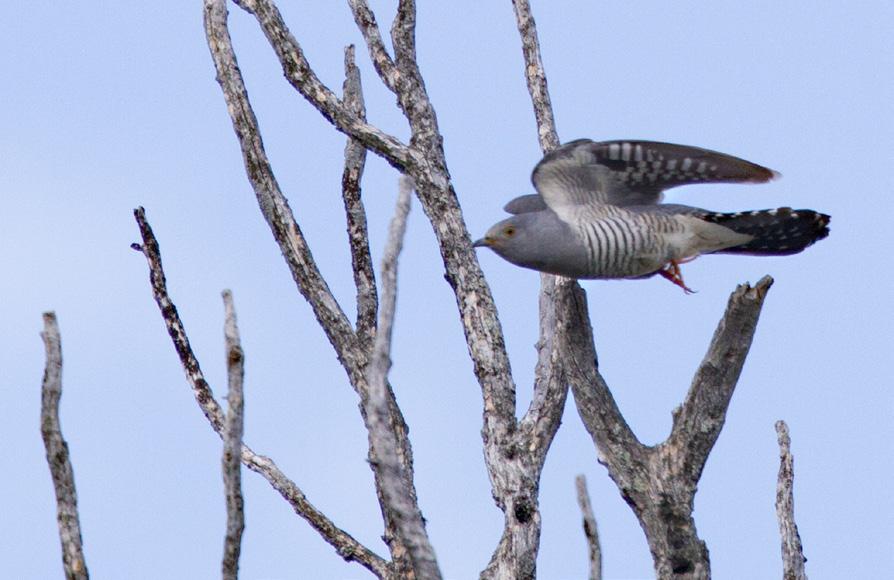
(106, 106)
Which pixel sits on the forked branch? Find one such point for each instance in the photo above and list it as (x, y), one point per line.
(660, 482)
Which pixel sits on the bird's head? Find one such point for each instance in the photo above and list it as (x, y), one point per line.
(506, 238)
(525, 240)
(539, 241)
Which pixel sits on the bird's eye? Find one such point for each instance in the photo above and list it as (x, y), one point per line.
(509, 232)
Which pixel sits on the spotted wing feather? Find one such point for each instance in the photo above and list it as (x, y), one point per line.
(623, 173)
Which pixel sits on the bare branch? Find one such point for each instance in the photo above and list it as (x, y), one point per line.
(660, 482)
(423, 160)
(792, 552)
(536, 77)
(698, 422)
(515, 475)
(57, 454)
(395, 484)
(590, 530)
(345, 545)
(232, 473)
(299, 74)
(358, 233)
(544, 415)
(382, 61)
(352, 351)
(273, 203)
(618, 447)
(403, 33)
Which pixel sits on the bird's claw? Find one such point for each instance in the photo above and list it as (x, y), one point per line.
(671, 271)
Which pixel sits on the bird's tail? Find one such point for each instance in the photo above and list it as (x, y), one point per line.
(777, 232)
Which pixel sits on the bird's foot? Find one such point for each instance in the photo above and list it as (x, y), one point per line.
(671, 271)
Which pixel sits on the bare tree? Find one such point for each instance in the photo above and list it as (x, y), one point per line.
(659, 482)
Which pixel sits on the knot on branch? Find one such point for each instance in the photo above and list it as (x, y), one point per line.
(522, 510)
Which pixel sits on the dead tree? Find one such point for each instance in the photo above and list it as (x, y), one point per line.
(658, 482)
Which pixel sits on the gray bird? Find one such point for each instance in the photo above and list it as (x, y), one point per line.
(597, 213)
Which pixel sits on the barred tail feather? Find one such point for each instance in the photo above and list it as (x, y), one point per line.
(777, 232)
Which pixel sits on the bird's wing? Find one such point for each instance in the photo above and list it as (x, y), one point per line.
(623, 173)
(525, 204)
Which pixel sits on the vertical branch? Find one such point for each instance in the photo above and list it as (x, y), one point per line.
(792, 552)
(57, 454)
(590, 530)
(395, 484)
(232, 473)
(535, 76)
(403, 33)
(550, 386)
(358, 233)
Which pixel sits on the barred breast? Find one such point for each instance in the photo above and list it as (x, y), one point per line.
(622, 244)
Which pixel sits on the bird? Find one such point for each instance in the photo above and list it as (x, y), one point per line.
(597, 213)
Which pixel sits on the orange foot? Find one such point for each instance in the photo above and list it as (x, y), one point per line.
(671, 271)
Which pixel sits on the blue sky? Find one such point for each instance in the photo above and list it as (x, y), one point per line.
(107, 106)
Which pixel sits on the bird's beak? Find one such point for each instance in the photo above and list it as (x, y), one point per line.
(483, 242)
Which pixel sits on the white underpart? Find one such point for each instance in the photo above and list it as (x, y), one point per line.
(701, 237)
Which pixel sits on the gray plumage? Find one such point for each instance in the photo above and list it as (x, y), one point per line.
(597, 213)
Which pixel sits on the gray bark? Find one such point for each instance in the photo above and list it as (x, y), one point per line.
(231, 462)
(67, 518)
(591, 532)
(396, 486)
(351, 346)
(792, 552)
(660, 482)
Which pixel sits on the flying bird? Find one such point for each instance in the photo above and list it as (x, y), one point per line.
(597, 213)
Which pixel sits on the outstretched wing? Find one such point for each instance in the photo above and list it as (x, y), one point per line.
(622, 173)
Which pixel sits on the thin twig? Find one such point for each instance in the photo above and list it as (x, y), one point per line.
(382, 61)
(57, 454)
(232, 473)
(358, 233)
(345, 545)
(590, 530)
(536, 77)
(792, 552)
(398, 499)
